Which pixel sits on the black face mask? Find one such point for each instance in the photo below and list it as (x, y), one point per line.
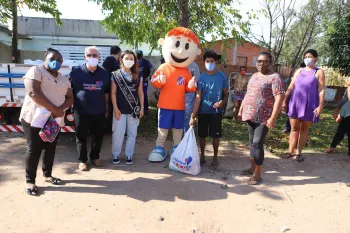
(263, 68)
(139, 57)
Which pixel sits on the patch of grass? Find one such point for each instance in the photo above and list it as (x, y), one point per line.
(236, 133)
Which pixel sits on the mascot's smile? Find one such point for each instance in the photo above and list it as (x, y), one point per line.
(178, 60)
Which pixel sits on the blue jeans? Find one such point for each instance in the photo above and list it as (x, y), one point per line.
(189, 101)
(145, 102)
(125, 123)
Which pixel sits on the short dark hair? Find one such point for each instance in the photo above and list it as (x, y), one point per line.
(52, 51)
(242, 67)
(312, 51)
(210, 54)
(115, 50)
(267, 54)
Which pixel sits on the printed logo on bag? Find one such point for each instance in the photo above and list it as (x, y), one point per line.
(93, 87)
(181, 81)
(184, 166)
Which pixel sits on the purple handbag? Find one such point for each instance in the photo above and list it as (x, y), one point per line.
(50, 130)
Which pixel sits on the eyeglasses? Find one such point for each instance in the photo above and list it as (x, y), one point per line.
(92, 55)
(264, 61)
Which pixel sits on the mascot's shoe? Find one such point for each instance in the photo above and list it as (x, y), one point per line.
(157, 155)
(173, 149)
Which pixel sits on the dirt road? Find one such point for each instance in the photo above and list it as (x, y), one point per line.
(308, 197)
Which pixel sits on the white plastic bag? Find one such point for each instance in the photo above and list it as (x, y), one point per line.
(186, 157)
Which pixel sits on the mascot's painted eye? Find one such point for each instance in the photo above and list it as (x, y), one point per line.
(187, 46)
(177, 44)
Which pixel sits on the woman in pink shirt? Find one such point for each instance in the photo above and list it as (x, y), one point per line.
(260, 108)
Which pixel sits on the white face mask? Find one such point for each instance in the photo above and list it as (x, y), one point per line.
(91, 61)
(128, 63)
(308, 61)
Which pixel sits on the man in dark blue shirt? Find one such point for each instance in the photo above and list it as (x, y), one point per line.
(111, 63)
(145, 71)
(90, 84)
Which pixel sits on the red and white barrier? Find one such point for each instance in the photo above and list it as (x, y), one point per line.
(11, 105)
(19, 129)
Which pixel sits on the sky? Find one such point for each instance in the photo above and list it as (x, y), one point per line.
(84, 9)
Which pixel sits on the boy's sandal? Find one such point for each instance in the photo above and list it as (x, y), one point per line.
(53, 180)
(299, 158)
(287, 156)
(214, 165)
(32, 191)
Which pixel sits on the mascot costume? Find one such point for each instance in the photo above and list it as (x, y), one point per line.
(179, 48)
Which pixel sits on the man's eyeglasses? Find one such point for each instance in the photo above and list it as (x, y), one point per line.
(264, 61)
(92, 55)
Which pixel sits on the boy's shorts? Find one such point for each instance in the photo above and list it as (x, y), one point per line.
(210, 124)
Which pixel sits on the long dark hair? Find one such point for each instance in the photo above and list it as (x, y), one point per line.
(135, 68)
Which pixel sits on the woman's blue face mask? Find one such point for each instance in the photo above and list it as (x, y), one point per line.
(54, 65)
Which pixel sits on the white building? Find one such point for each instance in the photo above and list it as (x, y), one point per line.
(38, 34)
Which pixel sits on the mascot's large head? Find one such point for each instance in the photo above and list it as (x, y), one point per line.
(180, 47)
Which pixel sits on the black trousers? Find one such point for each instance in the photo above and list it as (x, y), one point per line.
(36, 146)
(257, 134)
(85, 124)
(343, 128)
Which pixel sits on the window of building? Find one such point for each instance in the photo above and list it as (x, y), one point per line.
(242, 61)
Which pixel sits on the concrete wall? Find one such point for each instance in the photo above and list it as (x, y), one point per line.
(34, 26)
(5, 53)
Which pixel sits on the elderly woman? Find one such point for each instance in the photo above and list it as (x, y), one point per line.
(260, 108)
(48, 89)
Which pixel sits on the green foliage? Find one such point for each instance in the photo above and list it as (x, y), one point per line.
(46, 6)
(236, 134)
(339, 42)
(145, 21)
(302, 33)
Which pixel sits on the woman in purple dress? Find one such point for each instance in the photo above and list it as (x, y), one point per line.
(305, 101)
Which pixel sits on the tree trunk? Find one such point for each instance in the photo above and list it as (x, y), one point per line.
(15, 52)
(184, 17)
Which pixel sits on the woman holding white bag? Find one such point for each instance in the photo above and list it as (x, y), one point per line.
(128, 107)
(46, 88)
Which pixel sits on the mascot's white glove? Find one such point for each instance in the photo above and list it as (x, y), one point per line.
(192, 82)
(162, 77)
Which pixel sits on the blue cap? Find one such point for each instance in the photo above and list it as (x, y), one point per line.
(139, 52)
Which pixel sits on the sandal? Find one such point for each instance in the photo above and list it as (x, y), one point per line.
(287, 156)
(53, 180)
(299, 158)
(32, 191)
(330, 150)
(247, 172)
(254, 182)
(202, 161)
(214, 165)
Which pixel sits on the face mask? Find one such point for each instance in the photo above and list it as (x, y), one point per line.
(263, 68)
(91, 61)
(54, 65)
(308, 61)
(210, 66)
(243, 72)
(128, 63)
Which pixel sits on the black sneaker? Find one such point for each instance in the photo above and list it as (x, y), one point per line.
(129, 161)
(116, 161)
